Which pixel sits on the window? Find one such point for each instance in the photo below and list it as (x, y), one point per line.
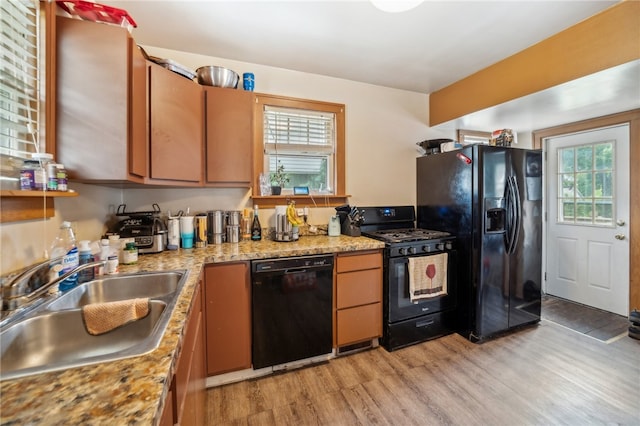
(585, 180)
(306, 138)
(466, 137)
(19, 85)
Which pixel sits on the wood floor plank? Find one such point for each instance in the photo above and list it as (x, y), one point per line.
(300, 412)
(364, 407)
(333, 409)
(280, 389)
(317, 380)
(396, 407)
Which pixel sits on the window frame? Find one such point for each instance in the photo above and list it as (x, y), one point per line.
(44, 102)
(339, 196)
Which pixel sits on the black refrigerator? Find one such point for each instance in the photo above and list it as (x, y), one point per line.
(491, 199)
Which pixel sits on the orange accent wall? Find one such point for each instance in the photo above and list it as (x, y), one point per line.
(605, 40)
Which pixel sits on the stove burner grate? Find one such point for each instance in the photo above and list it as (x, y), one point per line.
(406, 235)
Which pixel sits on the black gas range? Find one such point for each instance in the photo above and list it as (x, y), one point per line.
(420, 276)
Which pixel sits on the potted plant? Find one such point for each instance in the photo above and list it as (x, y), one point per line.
(278, 180)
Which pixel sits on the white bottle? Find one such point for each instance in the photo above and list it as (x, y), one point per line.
(113, 259)
(104, 255)
(64, 246)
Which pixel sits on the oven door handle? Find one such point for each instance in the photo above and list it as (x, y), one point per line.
(425, 323)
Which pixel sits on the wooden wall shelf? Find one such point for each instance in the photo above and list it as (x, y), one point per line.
(315, 200)
(28, 205)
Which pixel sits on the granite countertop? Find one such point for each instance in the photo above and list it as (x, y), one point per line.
(133, 390)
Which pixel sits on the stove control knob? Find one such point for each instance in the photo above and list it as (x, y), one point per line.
(402, 251)
(412, 250)
(449, 246)
(440, 246)
(426, 249)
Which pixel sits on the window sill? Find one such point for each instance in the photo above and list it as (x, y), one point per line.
(315, 200)
(29, 205)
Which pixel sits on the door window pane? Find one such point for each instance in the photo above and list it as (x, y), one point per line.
(584, 185)
(565, 163)
(604, 156)
(603, 184)
(584, 158)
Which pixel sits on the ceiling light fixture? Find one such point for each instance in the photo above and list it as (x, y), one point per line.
(395, 6)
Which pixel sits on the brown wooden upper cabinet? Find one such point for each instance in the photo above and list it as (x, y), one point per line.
(120, 118)
(96, 120)
(229, 137)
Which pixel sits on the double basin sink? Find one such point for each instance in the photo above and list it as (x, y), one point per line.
(54, 337)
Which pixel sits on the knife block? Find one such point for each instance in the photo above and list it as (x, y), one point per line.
(350, 228)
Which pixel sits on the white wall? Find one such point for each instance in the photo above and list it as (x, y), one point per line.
(382, 127)
(26, 242)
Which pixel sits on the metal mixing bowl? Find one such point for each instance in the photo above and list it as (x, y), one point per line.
(217, 76)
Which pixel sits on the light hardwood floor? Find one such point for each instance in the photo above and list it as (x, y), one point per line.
(541, 375)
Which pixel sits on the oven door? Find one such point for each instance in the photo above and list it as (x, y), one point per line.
(400, 307)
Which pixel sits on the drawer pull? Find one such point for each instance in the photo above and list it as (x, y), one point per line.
(424, 323)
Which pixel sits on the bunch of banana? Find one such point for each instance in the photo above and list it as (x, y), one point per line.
(292, 215)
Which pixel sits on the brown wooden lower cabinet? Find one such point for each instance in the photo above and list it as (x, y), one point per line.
(358, 297)
(168, 416)
(228, 317)
(185, 402)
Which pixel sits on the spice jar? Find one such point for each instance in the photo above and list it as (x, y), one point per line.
(28, 174)
(45, 161)
(130, 254)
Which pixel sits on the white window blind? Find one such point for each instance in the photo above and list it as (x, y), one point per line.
(19, 87)
(298, 131)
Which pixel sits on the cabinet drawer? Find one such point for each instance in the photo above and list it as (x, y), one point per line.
(358, 288)
(357, 262)
(358, 324)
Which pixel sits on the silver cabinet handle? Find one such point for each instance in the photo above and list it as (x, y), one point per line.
(619, 236)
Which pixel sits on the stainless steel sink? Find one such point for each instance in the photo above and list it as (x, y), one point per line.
(54, 337)
(160, 285)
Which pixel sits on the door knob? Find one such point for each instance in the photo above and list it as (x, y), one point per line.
(619, 236)
(620, 222)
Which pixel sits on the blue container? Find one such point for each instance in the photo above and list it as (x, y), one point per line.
(248, 81)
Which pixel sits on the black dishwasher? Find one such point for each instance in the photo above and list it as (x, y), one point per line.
(291, 306)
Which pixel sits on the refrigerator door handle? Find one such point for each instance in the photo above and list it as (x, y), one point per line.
(512, 205)
(514, 213)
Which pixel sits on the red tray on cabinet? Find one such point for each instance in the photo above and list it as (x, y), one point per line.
(96, 12)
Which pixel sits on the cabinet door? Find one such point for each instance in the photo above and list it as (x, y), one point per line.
(229, 136)
(93, 93)
(176, 114)
(228, 317)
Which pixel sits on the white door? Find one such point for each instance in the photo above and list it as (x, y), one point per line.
(587, 253)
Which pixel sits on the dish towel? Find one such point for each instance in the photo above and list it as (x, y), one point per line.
(100, 318)
(427, 276)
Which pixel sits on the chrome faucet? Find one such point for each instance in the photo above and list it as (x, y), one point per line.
(15, 293)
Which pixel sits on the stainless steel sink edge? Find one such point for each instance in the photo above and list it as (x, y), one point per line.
(145, 346)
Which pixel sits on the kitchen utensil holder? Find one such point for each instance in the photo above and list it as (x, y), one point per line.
(350, 228)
